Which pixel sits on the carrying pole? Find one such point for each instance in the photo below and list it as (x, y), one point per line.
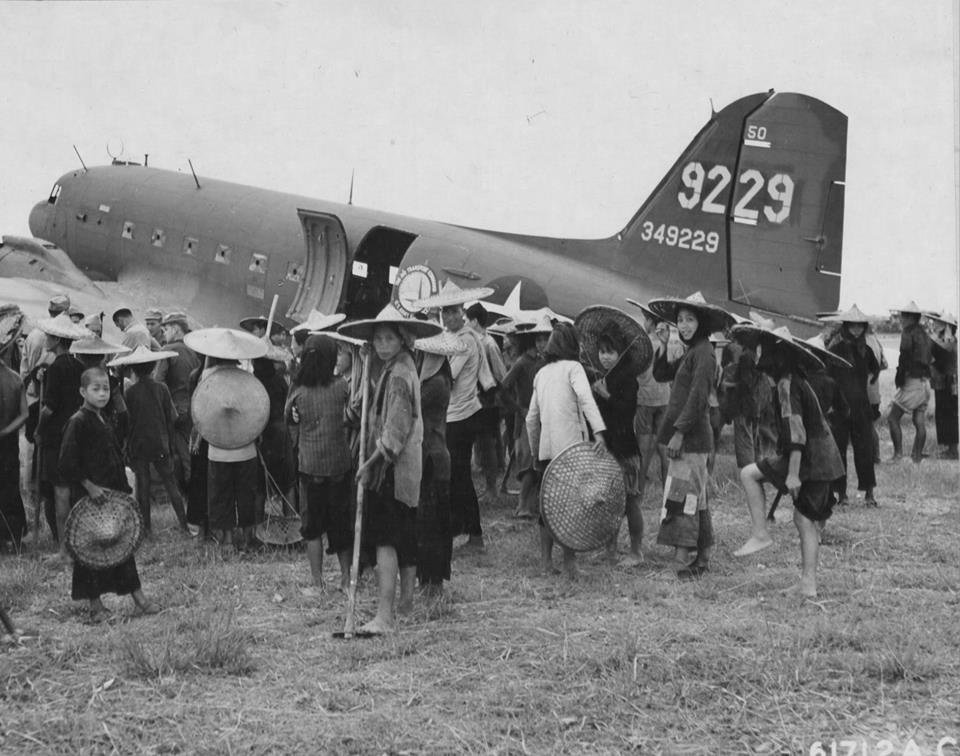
(37, 497)
(349, 626)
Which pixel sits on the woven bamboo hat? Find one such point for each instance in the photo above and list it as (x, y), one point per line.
(781, 336)
(625, 331)
(226, 343)
(828, 358)
(317, 321)
(102, 535)
(139, 356)
(583, 497)
(647, 312)
(390, 315)
(443, 344)
(230, 408)
(716, 318)
(451, 295)
(63, 327)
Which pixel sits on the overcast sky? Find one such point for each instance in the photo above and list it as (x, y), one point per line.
(551, 117)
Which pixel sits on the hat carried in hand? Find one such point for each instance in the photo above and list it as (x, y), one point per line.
(62, 327)
(317, 321)
(226, 343)
(104, 534)
(715, 318)
(230, 407)
(390, 315)
(95, 345)
(451, 295)
(582, 497)
(140, 356)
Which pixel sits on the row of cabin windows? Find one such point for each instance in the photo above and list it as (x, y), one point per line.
(223, 255)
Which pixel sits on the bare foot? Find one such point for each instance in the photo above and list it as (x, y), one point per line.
(753, 546)
(631, 560)
(377, 626)
(547, 568)
(803, 589)
(313, 591)
(405, 607)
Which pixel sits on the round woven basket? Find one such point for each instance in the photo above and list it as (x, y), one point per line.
(281, 526)
(230, 408)
(594, 320)
(583, 497)
(102, 535)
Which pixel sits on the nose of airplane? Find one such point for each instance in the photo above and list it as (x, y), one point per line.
(40, 219)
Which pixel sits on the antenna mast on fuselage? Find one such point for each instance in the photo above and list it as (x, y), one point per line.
(190, 163)
(80, 158)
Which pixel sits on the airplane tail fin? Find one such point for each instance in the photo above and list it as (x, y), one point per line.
(753, 208)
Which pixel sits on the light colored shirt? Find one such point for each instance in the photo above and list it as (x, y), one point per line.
(465, 369)
(650, 391)
(34, 353)
(136, 334)
(561, 400)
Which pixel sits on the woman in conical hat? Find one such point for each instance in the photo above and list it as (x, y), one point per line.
(686, 523)
(912, 381)
(944, 381)
(392, 470)
(434, 539)
(807, 459)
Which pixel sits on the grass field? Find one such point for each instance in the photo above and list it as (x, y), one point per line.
(514, 662)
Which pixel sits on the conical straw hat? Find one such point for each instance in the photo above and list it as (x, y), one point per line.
(598, 320)
(582, 497)
(945, 318)
(450, 295)
(828, 358)
(230, 408)
(805, 355)
(317, 321)
(226, 343)
(853, 315)
(95, 345)
(910, 308)
(140, 356)
(62, 327)
(716, 318)
(389, 315)
(443, 344)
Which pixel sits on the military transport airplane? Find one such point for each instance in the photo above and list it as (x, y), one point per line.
(751, 214)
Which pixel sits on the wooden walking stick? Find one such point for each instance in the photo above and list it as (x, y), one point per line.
(349, 626)
(37, 497)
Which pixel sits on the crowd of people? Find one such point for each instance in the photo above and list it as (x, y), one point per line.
(398, 411)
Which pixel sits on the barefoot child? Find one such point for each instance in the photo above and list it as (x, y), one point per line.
(89, 463)
(807, 459)
(392, 468)
(561, 395)
(316, 407)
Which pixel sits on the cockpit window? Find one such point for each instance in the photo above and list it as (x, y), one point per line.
(54, 194)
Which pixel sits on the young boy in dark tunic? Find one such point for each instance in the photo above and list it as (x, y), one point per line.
(150, 439)
(90, 462)
(807, 459)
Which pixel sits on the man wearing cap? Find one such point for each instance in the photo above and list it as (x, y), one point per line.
(134, 334)
(153, 319)
(913, 383)
(177, 379)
